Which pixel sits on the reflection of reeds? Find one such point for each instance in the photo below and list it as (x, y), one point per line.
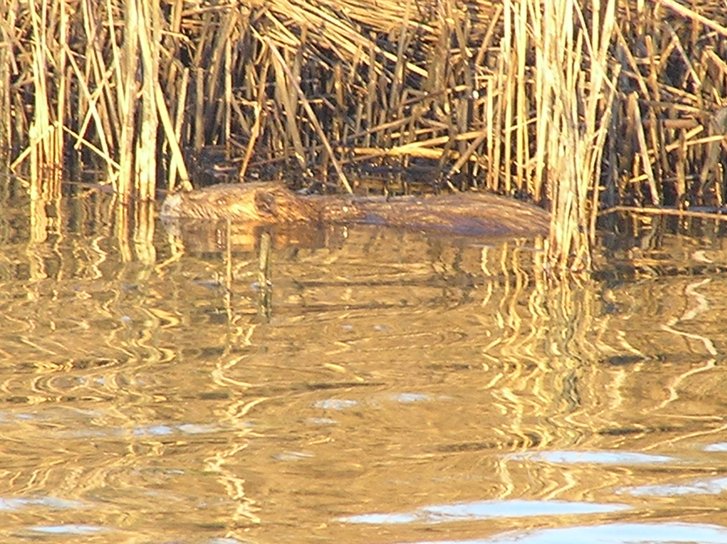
(503, 363)
(513, 96)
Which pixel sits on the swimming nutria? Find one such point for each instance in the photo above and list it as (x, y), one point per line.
(264, 203)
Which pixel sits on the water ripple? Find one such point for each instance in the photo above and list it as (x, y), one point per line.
(480, 510)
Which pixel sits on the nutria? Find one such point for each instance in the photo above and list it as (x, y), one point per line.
(263, 203)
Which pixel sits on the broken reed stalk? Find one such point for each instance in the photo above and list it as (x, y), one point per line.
(280, 63)
(698, 17)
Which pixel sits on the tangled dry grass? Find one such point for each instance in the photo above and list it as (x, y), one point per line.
(578, 105)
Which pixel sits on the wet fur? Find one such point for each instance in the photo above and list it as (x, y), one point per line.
(270, 203)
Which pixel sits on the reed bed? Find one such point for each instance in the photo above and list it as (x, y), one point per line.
(578, 105)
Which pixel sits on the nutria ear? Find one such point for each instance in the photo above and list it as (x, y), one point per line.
(265, 204)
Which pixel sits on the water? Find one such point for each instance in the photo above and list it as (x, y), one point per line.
(386, 387)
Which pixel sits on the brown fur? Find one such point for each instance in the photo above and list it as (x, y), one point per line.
(269, 203)
(261, 203)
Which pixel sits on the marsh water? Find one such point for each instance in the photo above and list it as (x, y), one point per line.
(164, 384)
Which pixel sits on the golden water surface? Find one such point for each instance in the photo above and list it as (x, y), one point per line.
(373, 386)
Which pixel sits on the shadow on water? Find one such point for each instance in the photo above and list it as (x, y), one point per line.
(353, 385)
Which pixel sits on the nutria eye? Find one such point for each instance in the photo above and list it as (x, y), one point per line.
(265, 204)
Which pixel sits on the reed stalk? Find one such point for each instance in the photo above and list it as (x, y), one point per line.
(145, 154)
(126, 67)
(45, 134)
(577, 94)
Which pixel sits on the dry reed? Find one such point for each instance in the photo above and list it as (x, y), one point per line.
(573, 106)
(579, 104)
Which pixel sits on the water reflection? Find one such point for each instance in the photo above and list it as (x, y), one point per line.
(591, 457)
(712, 486)
(70, 529)
(49, 502)
(441, 383)
(483, 510)
(613, 533)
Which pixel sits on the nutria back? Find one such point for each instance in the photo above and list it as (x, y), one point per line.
(469, 214)
(473, 214)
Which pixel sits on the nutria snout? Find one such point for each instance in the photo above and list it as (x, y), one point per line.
(265, 203)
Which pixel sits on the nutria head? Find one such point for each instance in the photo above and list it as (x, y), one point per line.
(261, 203)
